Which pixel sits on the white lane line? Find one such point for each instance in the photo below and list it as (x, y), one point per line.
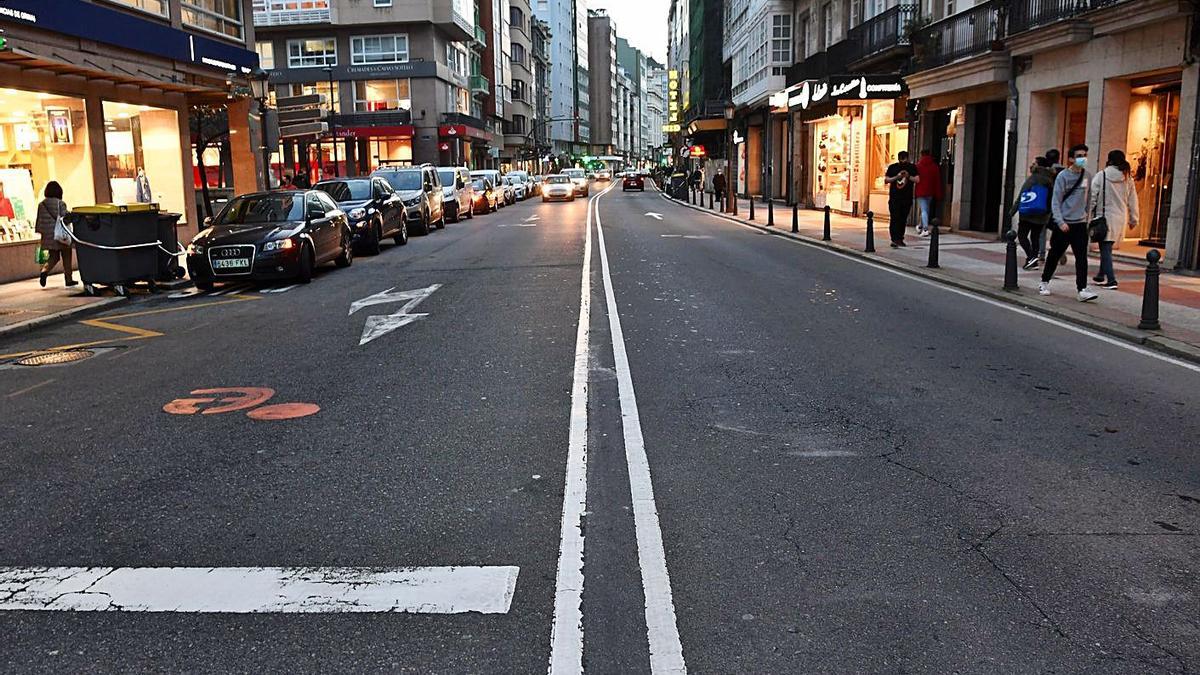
(417, 590)
(566, 633)
(1060, 323)
(285, 289)
(666, 651)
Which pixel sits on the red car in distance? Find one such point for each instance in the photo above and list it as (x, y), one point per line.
(632, 181)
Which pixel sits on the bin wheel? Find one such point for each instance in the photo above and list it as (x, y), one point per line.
(179, 273)
(89, 289)
(120, 290)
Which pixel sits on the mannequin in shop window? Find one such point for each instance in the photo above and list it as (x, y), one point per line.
(143, 187)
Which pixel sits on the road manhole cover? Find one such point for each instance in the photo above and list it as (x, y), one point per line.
(55, 358)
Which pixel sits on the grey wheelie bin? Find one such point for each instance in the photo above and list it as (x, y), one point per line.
(116, 245)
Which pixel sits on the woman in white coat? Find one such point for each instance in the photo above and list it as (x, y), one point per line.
(1113, 196)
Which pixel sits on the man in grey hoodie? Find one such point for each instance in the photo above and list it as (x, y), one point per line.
(1069, 205)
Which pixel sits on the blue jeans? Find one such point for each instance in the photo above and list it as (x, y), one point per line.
(1106, 262)
(924, 204)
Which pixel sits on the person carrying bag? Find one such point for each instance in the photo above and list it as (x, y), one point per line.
(1114, 207)
(56, 239)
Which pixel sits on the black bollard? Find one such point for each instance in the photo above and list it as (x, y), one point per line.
(710, 201)
(826, 236)
(933, 246)
(870, 232)
(733, 199)
(693, 196)
(1010, 261)
(795, 217)
(770, 213)
(1150, 294)
(751, 207)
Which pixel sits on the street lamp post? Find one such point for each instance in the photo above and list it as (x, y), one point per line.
(260, 85)
(332, 120)
(730, 182)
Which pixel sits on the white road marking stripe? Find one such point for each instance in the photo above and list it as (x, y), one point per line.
(1060, 323)
(666, 651)
(234, 289)
(285, 289)
(566, 633)
(418, 590)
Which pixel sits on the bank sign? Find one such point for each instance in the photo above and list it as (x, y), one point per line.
(844, 87)
(110, 26)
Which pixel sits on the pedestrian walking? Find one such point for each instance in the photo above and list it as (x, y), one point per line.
(49, 212)
(928, 191)
(1032, 207)
(1052, 156)
(1114, 198)
(1069, 206)
(719, 186)
(900, 177)
(697, 178)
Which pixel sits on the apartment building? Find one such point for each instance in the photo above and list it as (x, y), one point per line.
(569, 122)
(697, 78)
(400, 79)
(94, 92)
(655, 109)
(540, 61)
(602, 81)
(518, 143)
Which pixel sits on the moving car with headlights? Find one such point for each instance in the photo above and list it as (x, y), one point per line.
(580, 180)
(421, 190)
(458, 195)
(487, 199)
(604, 175)
(558, 186)
(269, 236)
(520, 189)
(632, 181)
(373, 209)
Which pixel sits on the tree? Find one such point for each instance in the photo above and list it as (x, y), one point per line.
(209, 124)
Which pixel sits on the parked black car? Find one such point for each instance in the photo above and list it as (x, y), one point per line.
(270, 235)
(373, 208)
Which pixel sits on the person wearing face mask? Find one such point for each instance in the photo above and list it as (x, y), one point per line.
(1069, 205)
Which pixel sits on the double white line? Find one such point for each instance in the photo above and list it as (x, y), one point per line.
(566, 641)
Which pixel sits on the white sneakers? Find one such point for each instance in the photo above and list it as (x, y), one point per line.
(1086, 295)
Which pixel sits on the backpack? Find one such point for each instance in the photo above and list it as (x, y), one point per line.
(1035, 201)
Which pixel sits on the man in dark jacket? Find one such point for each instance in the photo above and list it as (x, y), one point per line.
(718, 182)
(900, 177)
(1033, 206)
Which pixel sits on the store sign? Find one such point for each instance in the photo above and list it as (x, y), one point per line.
(844, 87)
(672, 125)
(110, 26)
(670, 128)
(697, 151)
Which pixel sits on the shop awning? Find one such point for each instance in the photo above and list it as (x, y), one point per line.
(697, 126)
(111, 72)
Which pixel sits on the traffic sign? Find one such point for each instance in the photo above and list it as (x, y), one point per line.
(306, 129)
(304, 101)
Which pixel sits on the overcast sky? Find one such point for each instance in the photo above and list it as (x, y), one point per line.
(642, 22)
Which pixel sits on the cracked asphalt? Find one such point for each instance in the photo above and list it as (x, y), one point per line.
(854, 470)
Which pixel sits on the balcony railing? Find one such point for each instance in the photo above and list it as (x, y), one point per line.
(464, 119)
(290, 12)
(383, 118)
(481, 35)
(1028, 14)
(883, 32)
(975, 31)
(831, 61)
(479, 84)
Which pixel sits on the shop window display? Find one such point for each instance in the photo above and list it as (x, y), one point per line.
(145, 159)
(1153, 127)
(43, 137)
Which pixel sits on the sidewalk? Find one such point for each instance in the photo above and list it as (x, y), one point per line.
(25, 304)
(978, 265)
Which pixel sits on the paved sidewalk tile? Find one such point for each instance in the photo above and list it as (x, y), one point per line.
(981, 261)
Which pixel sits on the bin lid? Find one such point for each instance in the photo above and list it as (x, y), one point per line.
(115, 208)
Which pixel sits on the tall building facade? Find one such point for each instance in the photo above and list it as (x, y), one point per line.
(541, 39)
(397, 77)
(569, 120)
(602, 81)
(655, 106)
(518, 142)
(94, 92)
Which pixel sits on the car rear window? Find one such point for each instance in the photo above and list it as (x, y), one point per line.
(346, 190)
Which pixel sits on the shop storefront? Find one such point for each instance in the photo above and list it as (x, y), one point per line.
(106, 118)
(852, 127)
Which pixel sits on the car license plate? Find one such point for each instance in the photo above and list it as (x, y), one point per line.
(230, 263)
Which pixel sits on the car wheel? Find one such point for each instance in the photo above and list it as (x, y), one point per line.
(373, 246)
(441, 223)
(495, 206)
(401, 237)
(471, 212)
(203, 285)
(544, 200)
(305, 273)
(423, 226)
(347, 256)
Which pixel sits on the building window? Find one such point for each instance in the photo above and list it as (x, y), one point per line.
(370, 49)
(217, 16)
(803, 28)
(516, 18)
(781, 38)
(322, 88)
(516, 126)
(826, 26)
(518, 54)
(458, 100)
(158, 7)
(520, 92)
(373, 95)
(266, 54)
(383, 3)
(312, 53)
(456, 59)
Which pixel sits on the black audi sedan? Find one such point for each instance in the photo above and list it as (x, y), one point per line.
(268, 236)
(373, 208)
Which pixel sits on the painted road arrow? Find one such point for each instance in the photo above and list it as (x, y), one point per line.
(378, 325)
(656, 216)
(533, 217)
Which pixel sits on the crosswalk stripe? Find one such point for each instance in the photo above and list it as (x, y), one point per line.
(239, 590)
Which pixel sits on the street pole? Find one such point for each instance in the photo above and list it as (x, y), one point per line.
(266, 153)
(332, 121)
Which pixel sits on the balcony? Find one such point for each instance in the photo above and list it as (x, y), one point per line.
(970, 33)
(464, 119)
(882, 35)
(291, 12)
(834, 60)
(479, 84)
(481, 35)
(1023, 16)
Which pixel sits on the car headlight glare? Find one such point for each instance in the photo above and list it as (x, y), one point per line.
(358, 214)
(278, 245)
(195, 249)
(412, 202)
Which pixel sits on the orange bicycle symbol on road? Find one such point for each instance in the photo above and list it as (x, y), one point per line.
(232, 399)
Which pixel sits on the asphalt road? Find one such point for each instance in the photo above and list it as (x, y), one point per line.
(852, 470)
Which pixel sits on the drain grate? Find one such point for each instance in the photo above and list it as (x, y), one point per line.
(55, 358)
